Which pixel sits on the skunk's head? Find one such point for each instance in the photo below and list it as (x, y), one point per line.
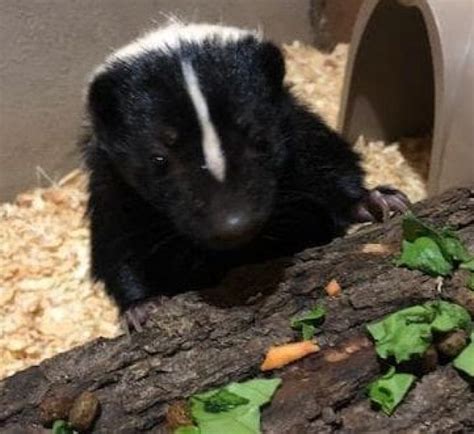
(192, 119)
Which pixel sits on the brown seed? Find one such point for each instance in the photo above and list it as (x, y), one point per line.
(429, 361)
(55, 406)
(83, 412)
(178, 414)
(452, 343)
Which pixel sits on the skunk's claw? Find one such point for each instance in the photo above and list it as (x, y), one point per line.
(136, 315)
(379, 203)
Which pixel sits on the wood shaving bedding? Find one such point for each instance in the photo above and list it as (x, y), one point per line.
(386, 164)
(48, 303)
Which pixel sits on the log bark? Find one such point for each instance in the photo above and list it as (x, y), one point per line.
(199, 341)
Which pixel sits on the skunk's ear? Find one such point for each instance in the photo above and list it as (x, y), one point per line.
(273, 63)
(103, 102)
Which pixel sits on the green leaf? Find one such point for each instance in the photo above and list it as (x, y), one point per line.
(469, 265)
(454, 247)
(409, 332)
(242, 419)
(430, 250)
(389, 390)
(403, 334)
(187, 430)
(470, 282)
(414, 228)
(62, 427)
(307, 322)
(238, 421)
(448, 241)
(448, 316)
(223, 400)
(258, 392)
(308, 331)
(465, 361)
(425, 255)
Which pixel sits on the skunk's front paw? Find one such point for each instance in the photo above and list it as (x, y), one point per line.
(379, 202)
(137, 314)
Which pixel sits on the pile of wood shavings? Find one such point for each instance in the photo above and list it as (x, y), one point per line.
(47, 302)
(316, 78)
(386, 164)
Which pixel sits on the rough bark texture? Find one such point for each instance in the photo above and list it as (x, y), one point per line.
(201, 341)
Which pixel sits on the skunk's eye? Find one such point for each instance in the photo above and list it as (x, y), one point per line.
(160, 162)
(169, 136)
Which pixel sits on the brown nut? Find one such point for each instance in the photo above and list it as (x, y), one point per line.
(83, 412)
(56, 404)
(452, 343)
(429, 361)
(178, 414)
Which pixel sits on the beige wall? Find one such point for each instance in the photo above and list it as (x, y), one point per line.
(47, 47)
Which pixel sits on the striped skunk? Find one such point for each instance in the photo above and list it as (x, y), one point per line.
(200, 158)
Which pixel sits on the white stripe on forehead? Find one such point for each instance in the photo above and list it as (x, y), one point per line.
(211, 145)
(171, 37)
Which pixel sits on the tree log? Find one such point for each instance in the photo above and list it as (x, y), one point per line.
(199, 341)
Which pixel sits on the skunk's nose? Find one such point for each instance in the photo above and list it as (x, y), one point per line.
(233, 229)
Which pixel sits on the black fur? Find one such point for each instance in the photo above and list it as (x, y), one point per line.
(154, 209)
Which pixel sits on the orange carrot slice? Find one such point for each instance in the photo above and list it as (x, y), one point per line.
(282, 355)
(333, 289)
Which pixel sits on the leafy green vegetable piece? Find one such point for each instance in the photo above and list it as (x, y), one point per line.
(259, 392)
(62, 427)
(470, 282)
(389, 390)
(223, 400)
(448, 316)
(314, 317)
(403, 334)
(242, 419)
(187, 430)
(468, 265)
(435, 257)
(414, 228)
(308, 331)
(408, 332)
(425, 255)
(454, 247)
(465, 361)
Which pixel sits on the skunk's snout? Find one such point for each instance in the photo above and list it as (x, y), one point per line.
(233, 228)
